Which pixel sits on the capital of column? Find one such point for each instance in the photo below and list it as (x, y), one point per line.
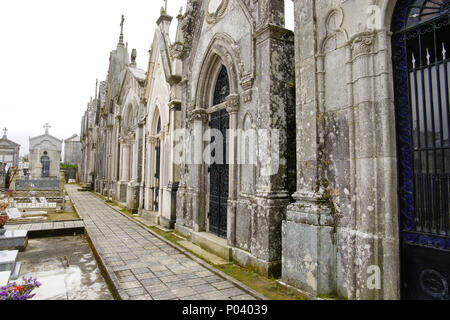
(124, 141)
(232, 103)
(199, 115)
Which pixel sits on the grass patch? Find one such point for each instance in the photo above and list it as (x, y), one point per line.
(62, 216)
(268, 287)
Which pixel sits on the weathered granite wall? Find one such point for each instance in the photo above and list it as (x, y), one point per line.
(345, 220)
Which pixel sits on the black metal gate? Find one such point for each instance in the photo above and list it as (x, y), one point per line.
(157, 176)
(420, 43)
(157, 169)
(218, 173)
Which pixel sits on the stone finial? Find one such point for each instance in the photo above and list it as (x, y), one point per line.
(4, 134)
(133, 58)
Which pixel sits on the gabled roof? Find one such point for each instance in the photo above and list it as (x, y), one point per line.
(74, 138)
(4, 141)
(47, 136)
(139, 74)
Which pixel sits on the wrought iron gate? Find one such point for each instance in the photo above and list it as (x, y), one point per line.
(157, 169)
(157, 176)
(218, 173)
(420, 43)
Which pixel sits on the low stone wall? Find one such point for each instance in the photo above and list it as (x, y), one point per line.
(37, 184)
(70, 173)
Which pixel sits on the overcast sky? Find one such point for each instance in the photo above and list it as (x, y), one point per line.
(53, 51)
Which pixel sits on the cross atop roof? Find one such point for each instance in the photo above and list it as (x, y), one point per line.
(4, 130)
(46, 127)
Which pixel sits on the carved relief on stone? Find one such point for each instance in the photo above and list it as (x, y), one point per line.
(264, 12)
(233, 103)
(153, 140)
(215, 10)
(334, 30)
(199, 115)
(188, 23)
(362, 44)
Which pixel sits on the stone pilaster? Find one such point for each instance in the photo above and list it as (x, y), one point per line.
(310, 263)
(275, 45)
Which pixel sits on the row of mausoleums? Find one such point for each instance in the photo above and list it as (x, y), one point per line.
(321, 156)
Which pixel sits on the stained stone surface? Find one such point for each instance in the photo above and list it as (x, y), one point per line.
(14, 240)
(8, 260)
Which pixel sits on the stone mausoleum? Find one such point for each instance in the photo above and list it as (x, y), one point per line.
(9, 151)
(45, 155)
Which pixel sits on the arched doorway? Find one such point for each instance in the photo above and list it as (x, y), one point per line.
(219, 169)
(420, 46)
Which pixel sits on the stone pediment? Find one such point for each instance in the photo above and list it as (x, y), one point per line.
(46, 141)
(5, 143)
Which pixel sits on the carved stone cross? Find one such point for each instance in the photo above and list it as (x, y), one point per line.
(46, 127)
(5, 130)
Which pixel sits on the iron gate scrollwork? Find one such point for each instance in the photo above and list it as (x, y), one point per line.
(420, 42)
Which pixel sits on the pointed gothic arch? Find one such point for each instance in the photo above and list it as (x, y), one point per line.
(220, 53)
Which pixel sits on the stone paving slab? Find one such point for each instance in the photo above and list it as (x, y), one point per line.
(46, 226)
(142, 266)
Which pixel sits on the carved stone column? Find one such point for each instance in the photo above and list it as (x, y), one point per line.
(199, 119)
(232, 104)
(169, 216)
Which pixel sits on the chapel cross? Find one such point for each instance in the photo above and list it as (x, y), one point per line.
(46, 127)
(121, 23)
(4, 130)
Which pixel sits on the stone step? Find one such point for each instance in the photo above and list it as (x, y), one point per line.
(4, 278)
(8, 260)
(211, 258)
(213, 244)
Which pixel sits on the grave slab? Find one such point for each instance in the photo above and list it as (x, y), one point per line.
(14, 240)
(8, 260)
(4, 278)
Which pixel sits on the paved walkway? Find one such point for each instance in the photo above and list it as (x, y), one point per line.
(141, 265)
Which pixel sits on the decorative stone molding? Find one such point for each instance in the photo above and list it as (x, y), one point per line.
(199, 115)
(215, 10)
(152, 140)
(188, 23)
(362, 44)
(247, 96)
(175, 105)
(333, 26)
(233, 103)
